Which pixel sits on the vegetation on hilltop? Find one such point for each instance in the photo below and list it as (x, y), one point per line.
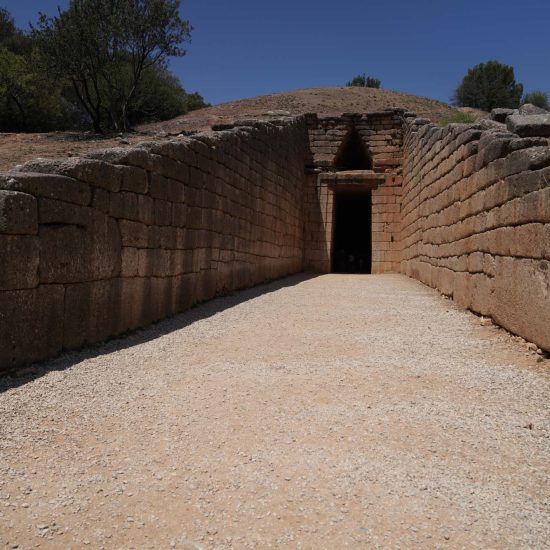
(489, 85)
(537, 98)
(364, 81)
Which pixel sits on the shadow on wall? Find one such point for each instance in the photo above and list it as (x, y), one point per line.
(353, 154)
(202, 311)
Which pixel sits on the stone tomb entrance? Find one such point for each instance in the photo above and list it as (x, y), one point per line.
(352, 226)
(352, 219)
(353, 195)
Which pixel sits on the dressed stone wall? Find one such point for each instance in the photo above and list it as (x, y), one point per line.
(476, 221)
(94, 247)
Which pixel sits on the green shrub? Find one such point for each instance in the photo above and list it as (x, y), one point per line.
(458, 118)
(537, 98)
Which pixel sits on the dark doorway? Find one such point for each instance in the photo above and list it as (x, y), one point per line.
(353, 155)
(352, 247)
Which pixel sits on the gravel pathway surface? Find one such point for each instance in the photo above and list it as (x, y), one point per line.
(315, 412)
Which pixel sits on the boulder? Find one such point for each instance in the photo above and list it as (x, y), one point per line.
(500, 115)
(530, 109)
(529, 125)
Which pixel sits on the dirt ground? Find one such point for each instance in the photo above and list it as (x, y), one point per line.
(18, 148)
(315, 412)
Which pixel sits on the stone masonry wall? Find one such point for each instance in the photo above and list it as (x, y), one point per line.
(94, 247)
(381, 133)
(476, 221)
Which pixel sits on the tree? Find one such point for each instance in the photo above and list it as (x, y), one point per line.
(161, 97)
(489, 85)
(537, 98)
(105, 48)
(7, 25)
(364, 81)
(29, 100)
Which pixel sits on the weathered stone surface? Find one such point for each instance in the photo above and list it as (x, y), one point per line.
(487, 229)
(19, 259)
(134, 233)
(52, 211)
(78, 253)
(521, 301)
(48, 185)
(166, 189)
(524, 160)
(18, 213)
(489, 124)
(91, 312)
(500, 115)
(134, 179)
(134, 156)
(530, 109)
(31, 325)
(95, 172)
(529, 126)
(130, 257)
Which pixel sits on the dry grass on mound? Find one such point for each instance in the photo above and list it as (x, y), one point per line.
(18, 148)
(323, 101)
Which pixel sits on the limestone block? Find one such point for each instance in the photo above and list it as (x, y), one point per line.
(529, 125)
(160, 302)
(163, 265)
(51, 211)
(166, 237)
(521, 298)
(166, 189)
(162, 212)
(527, 159)
(124, 205)
(527, 241)
(147, 260)
(133, 234)
(91, 312)
(49, 186)
(170, 168)
(129, 262)
(134, 309)
(19, 260)
(18, 213)
(95, 172)
(134, 179)
(145, 209)
(530, 109)
(500, 115)
(482, 294)
(179, 215)
(101, 200)
(31, 325)
(133, 156)
(77, 253)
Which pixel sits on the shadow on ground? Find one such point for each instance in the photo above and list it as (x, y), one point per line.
(68, 359)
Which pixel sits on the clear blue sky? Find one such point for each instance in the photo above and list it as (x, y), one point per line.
(244, 48)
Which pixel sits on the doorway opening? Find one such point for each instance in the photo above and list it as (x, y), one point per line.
(353, 154)
(352, 239)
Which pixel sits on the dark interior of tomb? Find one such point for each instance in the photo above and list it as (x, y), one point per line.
(352, 248)
(353, 154)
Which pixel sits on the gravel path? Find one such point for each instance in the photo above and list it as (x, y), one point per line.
(326, 412)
